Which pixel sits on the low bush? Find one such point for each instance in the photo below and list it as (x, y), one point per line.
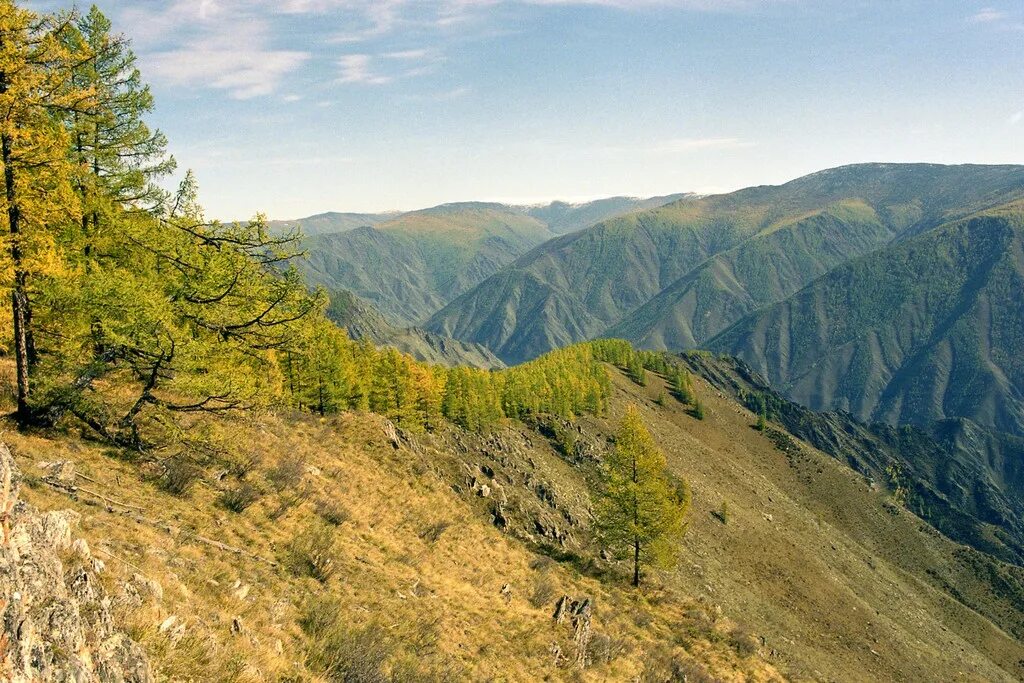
(240, 498)
(179, 475)
(314, 552)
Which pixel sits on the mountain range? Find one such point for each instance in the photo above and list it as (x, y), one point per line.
(409, 265)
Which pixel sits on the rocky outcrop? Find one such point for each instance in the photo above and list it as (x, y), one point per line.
(56, 622)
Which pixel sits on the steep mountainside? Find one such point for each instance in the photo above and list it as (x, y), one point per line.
(326, 223)
(363, 321)
(410, 266)
(927, 330)
(675, 276)
(449, 551)
(964, 479)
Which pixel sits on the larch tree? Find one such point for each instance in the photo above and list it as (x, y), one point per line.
(36, 95)
(118, 156)
(641, 508)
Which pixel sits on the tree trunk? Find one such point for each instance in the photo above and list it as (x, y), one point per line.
(636, 562)
(19, 300)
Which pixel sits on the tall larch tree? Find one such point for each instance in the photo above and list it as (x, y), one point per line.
(36, 95)
(641, 509)
(118, 157)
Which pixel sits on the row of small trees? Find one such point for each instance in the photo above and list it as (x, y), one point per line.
(327, 372)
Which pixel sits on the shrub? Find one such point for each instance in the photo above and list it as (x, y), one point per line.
(604, 649)
(698, 409)
(372, 653)
(351, 654)
(287, 474)
(180, 473)
(314, 552)
(662, 665)
(332, 512)
(432, 532)
(542, 563)
(543, 592)
(239, 498)
(723, 513)
(565, 440)
(743, 642)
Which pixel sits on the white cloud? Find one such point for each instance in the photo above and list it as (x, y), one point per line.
(408, 54)
(987, 15)
(359, 69)
(1016, 118)
(242, 65)
(241, 46)
(990, 16)
(387, 67)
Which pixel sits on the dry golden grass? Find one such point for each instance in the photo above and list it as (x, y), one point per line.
(812, 560)
(411, 559)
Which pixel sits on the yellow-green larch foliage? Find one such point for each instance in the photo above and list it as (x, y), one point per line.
(117, 156)
(36, 94)
(641, 508)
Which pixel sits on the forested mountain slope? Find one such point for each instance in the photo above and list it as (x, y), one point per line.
(410, 266)
(929, 329)
(363, 321)
(677, 275)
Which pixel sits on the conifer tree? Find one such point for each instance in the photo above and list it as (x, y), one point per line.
(36, 93)
(640, 512)
(118, 156)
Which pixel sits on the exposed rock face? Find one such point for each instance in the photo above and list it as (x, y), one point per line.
(579, 614)
(55, 620)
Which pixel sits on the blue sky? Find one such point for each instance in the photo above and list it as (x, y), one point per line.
(293, 107)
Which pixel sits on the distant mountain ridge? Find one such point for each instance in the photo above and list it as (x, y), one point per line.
(412, 264)
(675, 276)
(930, 329)
(331, 222)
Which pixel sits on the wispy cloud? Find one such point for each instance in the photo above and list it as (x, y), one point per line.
(1016, 118)
(359, 69)
(243, 65)
(987, 15)
(367, 69)
(996, 18)
(243, 46)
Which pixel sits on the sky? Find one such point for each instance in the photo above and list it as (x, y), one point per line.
(296, 107)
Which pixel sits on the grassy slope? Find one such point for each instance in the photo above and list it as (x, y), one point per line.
(578, 286)
(842, 586)
(839, 585)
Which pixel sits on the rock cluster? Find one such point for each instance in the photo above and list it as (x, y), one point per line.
(56, 622)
